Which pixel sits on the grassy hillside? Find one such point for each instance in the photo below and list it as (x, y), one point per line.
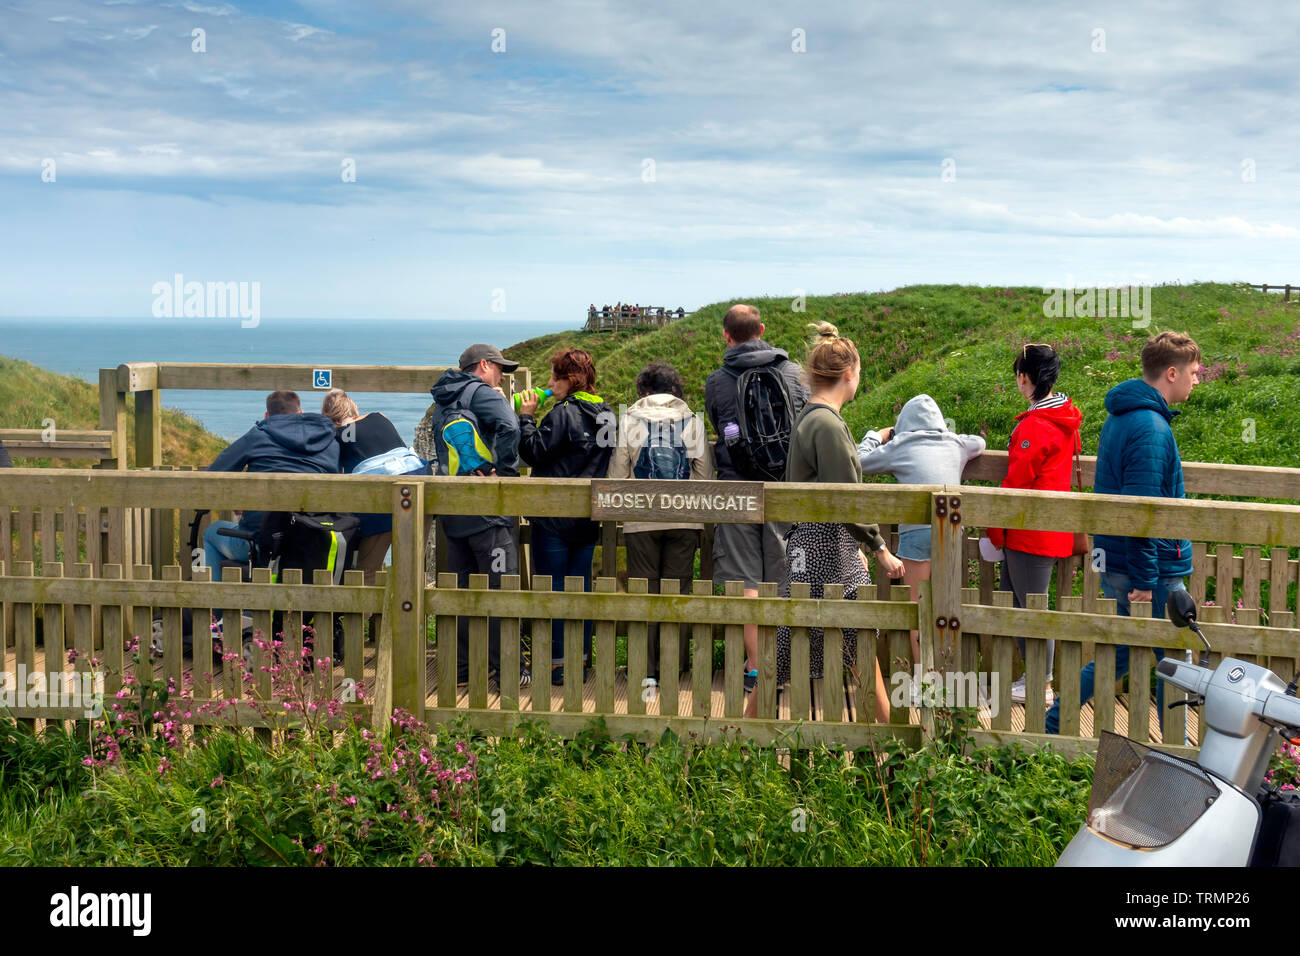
(29, 395)
(956, 343)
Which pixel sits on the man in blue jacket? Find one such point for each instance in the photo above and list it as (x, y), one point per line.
(479, 544)
(1137, 455)
(285, 440)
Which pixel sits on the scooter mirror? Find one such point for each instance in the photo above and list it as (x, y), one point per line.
(1181, 608)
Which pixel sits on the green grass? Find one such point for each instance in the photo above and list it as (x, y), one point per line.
(29, 395)
(537, 800)
(956, 343)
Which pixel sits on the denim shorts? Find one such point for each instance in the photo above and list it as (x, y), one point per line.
(914, 544)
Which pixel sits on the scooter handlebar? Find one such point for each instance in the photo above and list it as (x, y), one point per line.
(1190, 677)
(1282, 709)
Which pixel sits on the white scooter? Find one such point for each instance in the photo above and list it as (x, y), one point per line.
(1152, 809)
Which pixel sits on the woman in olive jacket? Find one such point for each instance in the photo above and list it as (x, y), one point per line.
(823, 450)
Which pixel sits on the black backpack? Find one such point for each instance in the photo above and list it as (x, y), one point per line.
(309, 542)
(765, 415)
(664, 453)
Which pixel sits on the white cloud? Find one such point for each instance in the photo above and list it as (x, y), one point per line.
(224, 10)
(300, 31)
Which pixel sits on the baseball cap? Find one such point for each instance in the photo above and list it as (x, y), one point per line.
(477, 353)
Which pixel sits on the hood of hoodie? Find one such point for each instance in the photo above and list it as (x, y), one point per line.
(752, 354)
(308, 433)
(660, 408)
(920, 414)
(1134, 395)
(452, 382)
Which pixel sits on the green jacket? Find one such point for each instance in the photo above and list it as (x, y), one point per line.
(822, 449)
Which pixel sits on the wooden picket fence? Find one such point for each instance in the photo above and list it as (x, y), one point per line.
(88, 582)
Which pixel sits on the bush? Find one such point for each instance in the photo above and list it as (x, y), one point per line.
(414, 797)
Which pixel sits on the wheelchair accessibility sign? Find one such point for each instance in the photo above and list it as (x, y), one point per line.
(321, 378)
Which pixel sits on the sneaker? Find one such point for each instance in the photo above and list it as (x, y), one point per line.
(1018, 693)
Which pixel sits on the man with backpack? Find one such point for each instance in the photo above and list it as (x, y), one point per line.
(476, 433)
(659, 438)
(752, 402)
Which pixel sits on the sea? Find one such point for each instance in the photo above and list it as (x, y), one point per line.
(82, 346)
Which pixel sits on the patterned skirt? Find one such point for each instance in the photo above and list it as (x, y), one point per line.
(820, 554)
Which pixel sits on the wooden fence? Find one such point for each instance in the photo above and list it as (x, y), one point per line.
(89, 597)
(617, 321)
(62, 443)
(1284, 289)
(146, 381)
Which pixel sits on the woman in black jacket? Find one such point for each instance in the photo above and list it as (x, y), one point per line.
(574, 440)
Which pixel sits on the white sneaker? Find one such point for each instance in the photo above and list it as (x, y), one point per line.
(1018, 693)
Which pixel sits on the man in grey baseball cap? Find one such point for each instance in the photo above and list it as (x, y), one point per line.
(472, 359)
(483, 543)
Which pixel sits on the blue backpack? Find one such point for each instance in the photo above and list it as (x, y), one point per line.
(664, 453)
(467, 453)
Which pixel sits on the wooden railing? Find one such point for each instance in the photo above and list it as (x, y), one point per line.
(1285, 289)
(615, 322)
(90, 598)
(147, 380)
(60, 444)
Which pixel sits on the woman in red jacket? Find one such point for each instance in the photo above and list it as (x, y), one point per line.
(1040, 454)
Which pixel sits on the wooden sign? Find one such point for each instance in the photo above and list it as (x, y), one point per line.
(633, 499)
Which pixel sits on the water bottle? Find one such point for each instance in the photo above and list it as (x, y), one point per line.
(542, 395)
(731, 433)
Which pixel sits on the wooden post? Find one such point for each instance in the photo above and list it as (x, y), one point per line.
(609, 549)
(112, 417)
(947, 572)
(404, 611)
(928, 638)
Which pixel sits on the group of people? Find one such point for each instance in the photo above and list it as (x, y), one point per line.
(476, 431)
(623, 310)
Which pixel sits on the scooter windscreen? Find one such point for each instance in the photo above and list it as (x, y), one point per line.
(1144, 798)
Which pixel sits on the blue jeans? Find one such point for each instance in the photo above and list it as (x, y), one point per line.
(1117, 586)
(555, 556)
(219, 546)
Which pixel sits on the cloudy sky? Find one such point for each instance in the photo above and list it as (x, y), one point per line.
(675, 152)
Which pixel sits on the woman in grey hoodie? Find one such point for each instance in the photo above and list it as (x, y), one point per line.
(919, 450)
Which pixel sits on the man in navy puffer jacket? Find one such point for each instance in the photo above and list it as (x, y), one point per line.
(285, 440)
(1137, 455)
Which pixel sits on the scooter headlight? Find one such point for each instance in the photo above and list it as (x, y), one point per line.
(1144, 798)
